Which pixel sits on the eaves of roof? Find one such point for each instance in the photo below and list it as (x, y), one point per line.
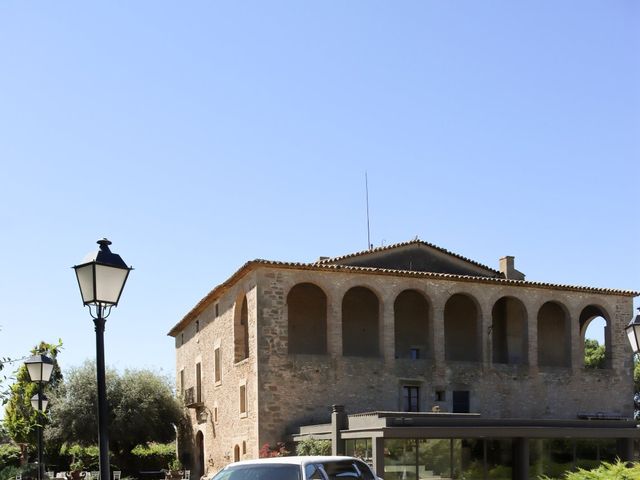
(405, 244)
(252, 265)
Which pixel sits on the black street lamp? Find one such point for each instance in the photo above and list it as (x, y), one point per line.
(39, 368)
(633, 333)
(101, 278)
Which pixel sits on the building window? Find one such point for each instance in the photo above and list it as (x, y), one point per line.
(217, 374)
(410, 398)
(440, 396)
(182, 339)
(241, 331)
(244, 448)
(198, 382)
(217, 311)
(197, 326)
(181, 383)
(414, 353)
(243, 399)
(461, 401)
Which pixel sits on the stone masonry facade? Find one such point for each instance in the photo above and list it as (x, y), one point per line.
(244, 403)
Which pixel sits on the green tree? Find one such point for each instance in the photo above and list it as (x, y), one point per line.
(141, 406)
(594, 354)
(20, 419)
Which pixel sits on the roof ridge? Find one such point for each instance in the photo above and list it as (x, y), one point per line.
(415, 241)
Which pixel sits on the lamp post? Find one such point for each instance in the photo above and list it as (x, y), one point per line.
(101, 278)
(39, 368)
(633, 333)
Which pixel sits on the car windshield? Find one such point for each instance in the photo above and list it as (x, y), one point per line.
(273, 471)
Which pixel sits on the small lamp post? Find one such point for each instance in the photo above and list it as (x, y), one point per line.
(101, 278)
(633, 333)
(39, 402)
(39, 368)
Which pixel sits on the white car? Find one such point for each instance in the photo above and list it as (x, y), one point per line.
(298, 468)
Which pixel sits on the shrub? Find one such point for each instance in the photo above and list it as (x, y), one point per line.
(9, 456)
(312, 446)
(606, 471)
(154, 456)
(9, 472)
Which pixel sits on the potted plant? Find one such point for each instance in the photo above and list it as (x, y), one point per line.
(175, 469)
(76, 470)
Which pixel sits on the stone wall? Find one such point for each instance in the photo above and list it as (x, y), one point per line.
(219, 419)
(298, 389)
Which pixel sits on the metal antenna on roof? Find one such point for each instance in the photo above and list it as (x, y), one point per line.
(366, 187)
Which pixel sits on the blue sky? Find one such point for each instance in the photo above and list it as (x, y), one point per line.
(199, 135)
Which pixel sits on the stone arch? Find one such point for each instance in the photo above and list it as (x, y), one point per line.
(509, 331)
(307, 319)
(554, 340)
(360, 323)
(411, 320)
(461, 329)
(587, 316)
(241, 330)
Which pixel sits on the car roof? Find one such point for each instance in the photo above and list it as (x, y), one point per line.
(296, 460)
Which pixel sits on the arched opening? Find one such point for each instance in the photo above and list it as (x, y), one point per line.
(554, 345)
(241, 331)
(200, 455)
(411, 317)
(236, 453)
(509, 331)
(595, 336)
(360, 317)
(461, 339)
(307, 319)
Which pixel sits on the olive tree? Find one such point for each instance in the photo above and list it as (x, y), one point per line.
(141, 409)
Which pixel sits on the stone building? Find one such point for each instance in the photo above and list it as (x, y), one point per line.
(435, 364)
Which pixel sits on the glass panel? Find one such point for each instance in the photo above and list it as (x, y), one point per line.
(109, 283)
(47, 368)
(551, 457)
(85, 280)
(400, 459)
(34, 371)
(360, 448)
(636, 331)
(469, 458)
(434, 458)
(499, 458)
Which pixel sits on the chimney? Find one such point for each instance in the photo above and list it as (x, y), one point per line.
(508, 269)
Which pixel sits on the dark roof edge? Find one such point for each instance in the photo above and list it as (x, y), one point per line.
(252, 264)
(417, 241)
